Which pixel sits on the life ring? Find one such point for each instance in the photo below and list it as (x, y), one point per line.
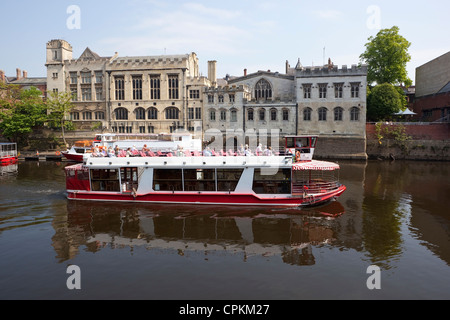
(297, 156)
(58, 153)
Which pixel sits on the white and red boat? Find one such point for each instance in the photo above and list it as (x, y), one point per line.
(231, 179)
(8, 154)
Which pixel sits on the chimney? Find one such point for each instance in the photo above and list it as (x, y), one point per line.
(18, 72)
(245, 72)
(212, 72)
(2, 76)
(25, 74)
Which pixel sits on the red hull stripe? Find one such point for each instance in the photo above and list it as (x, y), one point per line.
(205, 198)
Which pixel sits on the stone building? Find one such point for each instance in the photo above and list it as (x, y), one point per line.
(325, 101)
(154, 94)
(128, 94)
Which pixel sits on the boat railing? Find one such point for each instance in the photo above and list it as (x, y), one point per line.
(314, 187)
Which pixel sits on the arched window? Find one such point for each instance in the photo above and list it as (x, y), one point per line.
(273, 114)
(223, 115)
(354, 114)
(263, 90)
(140, 113)
(323, 114)
(338, 111)
(152, 113)
(233, 115)
(250, 115)
(121, 114)
(307, 114)
(172, 113)
(262, 114)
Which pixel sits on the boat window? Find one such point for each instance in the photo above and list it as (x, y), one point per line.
(105, 180)
(278, 183)
(227, 179)
(167, 180)
(129, 179)
(199, 180)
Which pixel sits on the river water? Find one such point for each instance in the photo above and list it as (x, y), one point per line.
(387, 237)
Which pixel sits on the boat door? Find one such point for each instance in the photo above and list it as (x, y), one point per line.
(129, 179)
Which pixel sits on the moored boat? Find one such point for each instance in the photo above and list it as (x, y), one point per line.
(231, 179)
(8, 154)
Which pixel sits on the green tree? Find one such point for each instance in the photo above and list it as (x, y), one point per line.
(386, 56)
(382, 102)
(21, 111)
(59, 104)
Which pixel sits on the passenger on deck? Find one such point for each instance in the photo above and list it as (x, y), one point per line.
(268, 151)
(111, 152)
(207, 152)
(145, 148)
(259, 150)
(129, 153)
(247, 151)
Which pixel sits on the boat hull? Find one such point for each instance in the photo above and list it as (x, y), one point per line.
(229, 199)
(73, 157)
(8, 161)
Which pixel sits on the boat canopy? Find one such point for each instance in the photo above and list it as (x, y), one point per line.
(315, 165)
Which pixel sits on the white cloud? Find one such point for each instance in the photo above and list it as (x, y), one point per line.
(327, 14)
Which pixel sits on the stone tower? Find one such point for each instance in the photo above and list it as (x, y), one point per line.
(58, 51)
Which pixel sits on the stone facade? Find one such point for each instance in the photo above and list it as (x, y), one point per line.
(154, 94)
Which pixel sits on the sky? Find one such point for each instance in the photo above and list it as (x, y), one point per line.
(245, 34)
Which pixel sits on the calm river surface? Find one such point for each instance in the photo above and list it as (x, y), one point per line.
(394, 215)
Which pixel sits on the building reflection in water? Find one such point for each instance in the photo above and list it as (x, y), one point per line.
(288, 233)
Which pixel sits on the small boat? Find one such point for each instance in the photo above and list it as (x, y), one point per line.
(79, 151)
(8, 154)
(286, 180)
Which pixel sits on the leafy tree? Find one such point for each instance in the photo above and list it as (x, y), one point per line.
(58, 105)
(382, 102)
(386, 56)
(20, 112)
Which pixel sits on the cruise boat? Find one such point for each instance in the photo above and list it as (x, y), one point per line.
(290, 179)
(163, 142)
(8, 154)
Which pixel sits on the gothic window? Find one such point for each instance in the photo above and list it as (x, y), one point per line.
(140, 113)
(98, 77)
(155, 87)
(212, 115)
(121, 114)
(307, 114)
(355, 90)
(137, 87)
(73, 78)
(152, 113)
(231, 97)
(338, 111)
(172, 113)
(198, 113)
(120, 87)
(322, 90)
(338, 89)
(221, 98)
(98, 94)
(173, 87)
(322, 114)
(307, 91)
(210, 98)
(263, 90)
(190, 113)
(354, 114)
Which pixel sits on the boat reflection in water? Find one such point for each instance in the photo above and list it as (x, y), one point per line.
(288, 233)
